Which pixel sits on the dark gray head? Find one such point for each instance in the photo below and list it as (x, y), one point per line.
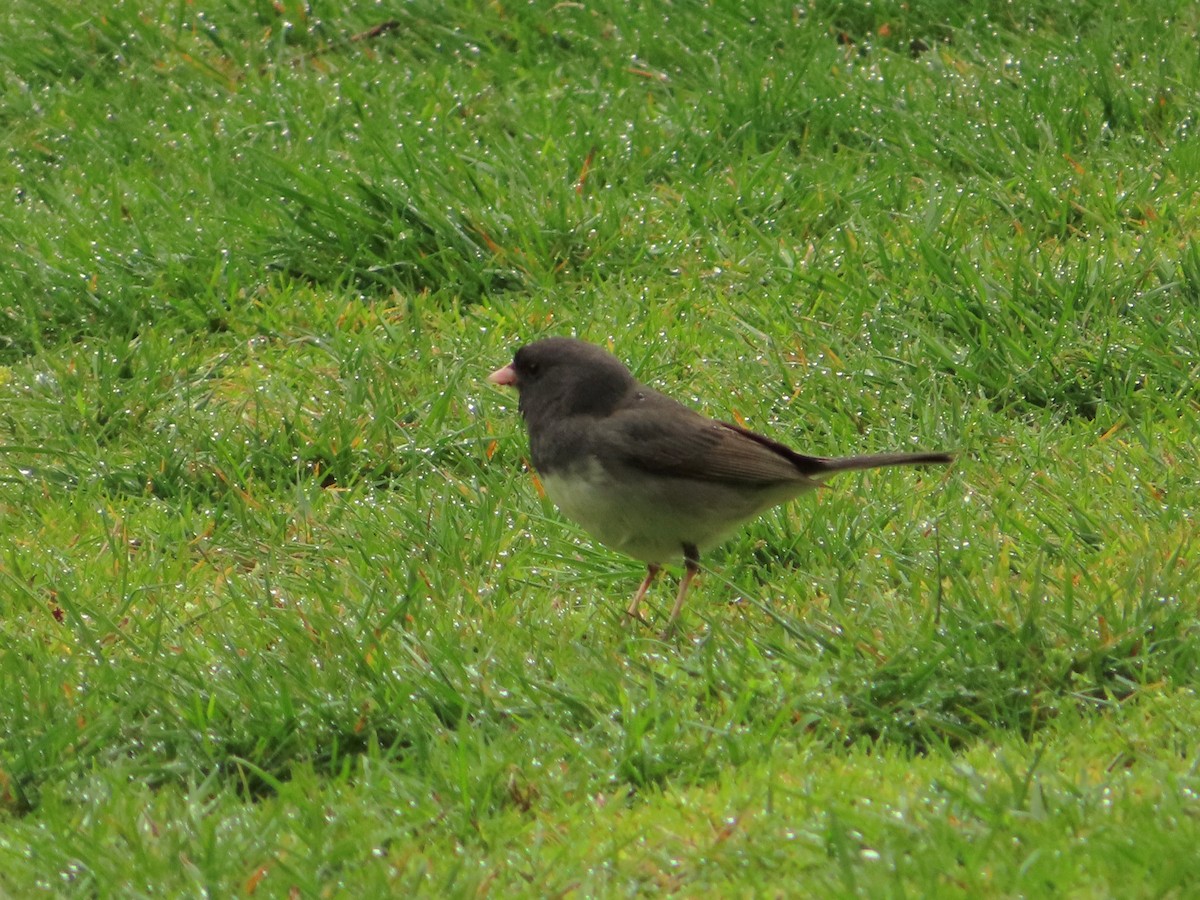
(563, 376)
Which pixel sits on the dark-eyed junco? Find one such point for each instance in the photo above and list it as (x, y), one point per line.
(646, 475)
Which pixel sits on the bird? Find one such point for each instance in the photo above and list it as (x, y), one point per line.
(646, 475)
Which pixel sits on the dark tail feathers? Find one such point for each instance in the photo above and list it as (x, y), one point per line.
(828, 466)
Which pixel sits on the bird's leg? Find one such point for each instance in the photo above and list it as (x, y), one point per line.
(651, 572)
(691, 565)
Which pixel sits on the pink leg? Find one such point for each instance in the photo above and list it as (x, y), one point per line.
(632, 611)
(691, 563)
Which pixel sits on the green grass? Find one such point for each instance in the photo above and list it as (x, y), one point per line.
(282, 611)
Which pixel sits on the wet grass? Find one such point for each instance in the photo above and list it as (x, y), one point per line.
(283, 611)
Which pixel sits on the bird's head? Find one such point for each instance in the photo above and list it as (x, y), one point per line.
(564, 376)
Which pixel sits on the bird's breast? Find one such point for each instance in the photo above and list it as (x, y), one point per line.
(651, 517)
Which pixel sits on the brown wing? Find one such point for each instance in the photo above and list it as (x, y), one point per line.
(660, 436)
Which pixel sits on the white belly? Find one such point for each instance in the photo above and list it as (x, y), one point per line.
(652, 518)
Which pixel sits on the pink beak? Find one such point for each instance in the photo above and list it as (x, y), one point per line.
(505, 375)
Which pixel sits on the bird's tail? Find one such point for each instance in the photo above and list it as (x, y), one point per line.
(830, 465)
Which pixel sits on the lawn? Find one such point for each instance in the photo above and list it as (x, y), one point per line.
(283, 610)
